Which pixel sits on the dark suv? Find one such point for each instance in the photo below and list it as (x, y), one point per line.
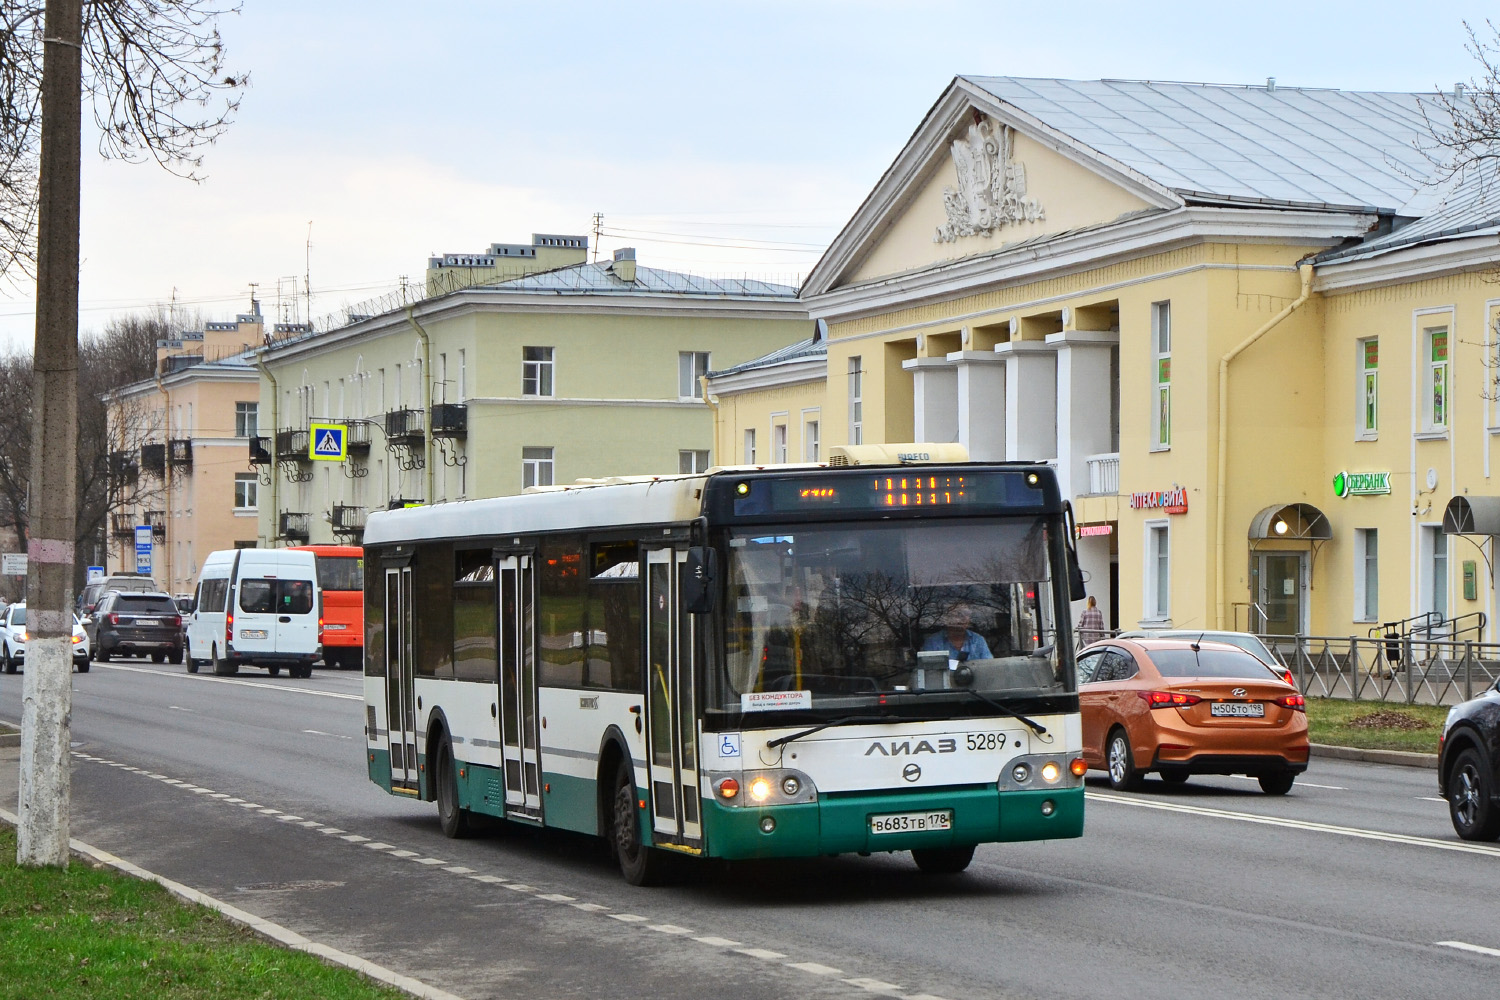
(1469, 766)
(136, 624)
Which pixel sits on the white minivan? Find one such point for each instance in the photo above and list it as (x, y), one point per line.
(256, 607)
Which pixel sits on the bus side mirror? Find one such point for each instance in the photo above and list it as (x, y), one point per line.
(700, 579)
(1076, 589)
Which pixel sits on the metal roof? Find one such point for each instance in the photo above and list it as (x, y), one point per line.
(811, 348)
(1287, 145)
(1459, 206)
(592, 279)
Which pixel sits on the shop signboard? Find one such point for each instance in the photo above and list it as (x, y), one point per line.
(1173, 501)
(1361, 484)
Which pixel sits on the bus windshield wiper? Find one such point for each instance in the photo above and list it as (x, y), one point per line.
(1032, 724)
(842, 721)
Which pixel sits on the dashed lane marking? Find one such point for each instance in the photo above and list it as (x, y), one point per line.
(1431, 798)
(669, 928)
(459, 870)
(430, 861)
(1477, 949)
(1300, 783)
(765, 953)
(200, 678)
(815, 968)
(402, 854)
(874, 985)
(489, 879)
(551, 897)
(629, 918)
(1463, 847)
(717, 942)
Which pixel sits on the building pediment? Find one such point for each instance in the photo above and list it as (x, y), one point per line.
(976, 177)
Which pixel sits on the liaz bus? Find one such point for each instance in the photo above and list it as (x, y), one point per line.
(749, 663)
(341, 581)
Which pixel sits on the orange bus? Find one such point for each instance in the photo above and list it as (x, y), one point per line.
(341, 578)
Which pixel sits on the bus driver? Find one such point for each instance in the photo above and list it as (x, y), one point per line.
(960, 641)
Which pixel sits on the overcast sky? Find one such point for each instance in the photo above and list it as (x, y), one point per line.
(716, 137)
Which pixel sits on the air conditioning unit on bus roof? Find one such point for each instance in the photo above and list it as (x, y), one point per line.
(896, 454)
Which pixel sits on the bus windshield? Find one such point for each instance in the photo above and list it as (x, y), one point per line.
(341, 573)
(852, 614)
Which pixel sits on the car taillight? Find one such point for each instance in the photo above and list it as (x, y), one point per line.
(114, 619)
(228, 627)
(177, 621)
(1168, 699)
(1295, 702)
(1289, 678)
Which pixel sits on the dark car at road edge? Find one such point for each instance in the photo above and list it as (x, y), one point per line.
(1469, 766)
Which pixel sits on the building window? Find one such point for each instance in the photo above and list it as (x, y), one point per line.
(811, 441)
(246, 420)
(1157, 590)
(1368, 361)
(778, 443)
(536, 467)
(691, 367)
(750, 446)
(536, 371)
(689, 462)
(1161, 376)
(856, 400)
(1366, 575)
(246, 490)
(463, 376)
(1436, 383)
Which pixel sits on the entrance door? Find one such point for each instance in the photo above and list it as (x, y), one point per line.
(518, 730)
(671, 716)
(400, 712)
(1282, 594)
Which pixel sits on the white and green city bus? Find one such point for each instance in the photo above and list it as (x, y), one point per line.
(749, 663)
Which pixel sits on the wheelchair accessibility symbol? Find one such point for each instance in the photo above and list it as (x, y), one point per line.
(729, 745)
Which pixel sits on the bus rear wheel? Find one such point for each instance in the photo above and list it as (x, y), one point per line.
(943, 860)
(640, 863)
(453, 818)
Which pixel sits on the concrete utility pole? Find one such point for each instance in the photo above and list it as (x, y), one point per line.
(47, 693)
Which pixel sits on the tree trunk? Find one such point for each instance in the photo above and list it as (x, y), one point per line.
(47, 692)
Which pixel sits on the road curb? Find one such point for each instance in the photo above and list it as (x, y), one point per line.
(284, 936)
(1404, 758)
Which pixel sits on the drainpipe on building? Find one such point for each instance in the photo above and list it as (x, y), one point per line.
(426, 395)
(1306, 273)
(275, 478)
(166, 479)
(713, 404)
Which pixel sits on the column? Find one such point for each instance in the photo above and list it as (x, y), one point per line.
(1030, 400)
(1085, 404)
(934, 389)
(981, 404)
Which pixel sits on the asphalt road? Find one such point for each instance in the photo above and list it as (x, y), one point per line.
(253, 790)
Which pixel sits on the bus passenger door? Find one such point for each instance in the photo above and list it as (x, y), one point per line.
(671, 717)
(400, 713)
(518, 730)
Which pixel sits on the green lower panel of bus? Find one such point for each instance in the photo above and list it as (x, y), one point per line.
(380, 766)
(840, 824)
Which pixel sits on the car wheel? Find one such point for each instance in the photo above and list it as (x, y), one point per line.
(158, 657)
(274, 671)
(453, 818)
(639, 863)
(1173, 777)
(1471, 806)
(220, 667)
(10, 663)
(101, 654)
(192, 665)
(83, 666)
(176, 656)
(1278, 783)
(1123, 776)
(943, 860)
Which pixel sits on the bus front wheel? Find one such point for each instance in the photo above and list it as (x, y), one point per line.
(451, 816)
(639, 863)
(943, 860)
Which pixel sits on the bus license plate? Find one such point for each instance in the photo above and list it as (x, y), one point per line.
(1238, 709)
(912, 822)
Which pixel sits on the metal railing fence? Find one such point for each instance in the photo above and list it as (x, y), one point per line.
(1412, 669)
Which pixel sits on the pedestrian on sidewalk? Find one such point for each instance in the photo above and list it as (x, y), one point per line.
(1090, 624)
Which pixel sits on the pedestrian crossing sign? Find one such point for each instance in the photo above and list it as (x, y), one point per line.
(330, 442)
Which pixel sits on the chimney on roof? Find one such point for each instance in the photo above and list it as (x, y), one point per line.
(1458, 91)
(1270, 85)
(623, 266)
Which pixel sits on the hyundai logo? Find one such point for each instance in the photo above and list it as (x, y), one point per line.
(911, 772)
(1239, 692)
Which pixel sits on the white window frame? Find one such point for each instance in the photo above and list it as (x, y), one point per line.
(1161, 389)
(1433, 559)
(252, 492)
(1431, 372)
(463, 377)
(246, 418)
(1366, 565)
(812, 435)
(693, 460)
(856, 399)
(538, 469)
(1152, 611)
(1366, 391)
(749, 445)
(540, 372)
(780, 439)
(691, 367)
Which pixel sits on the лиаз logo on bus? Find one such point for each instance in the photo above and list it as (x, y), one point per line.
(1173, 501)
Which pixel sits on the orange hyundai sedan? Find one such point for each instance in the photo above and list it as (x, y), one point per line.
(1180, 708)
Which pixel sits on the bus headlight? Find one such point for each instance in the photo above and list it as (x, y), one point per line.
(1048, 770)
(1051, 772)
(760, 789)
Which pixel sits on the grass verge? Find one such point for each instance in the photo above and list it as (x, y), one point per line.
(1347, 723)
(93, 932)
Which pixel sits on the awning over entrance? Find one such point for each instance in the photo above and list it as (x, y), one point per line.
(1299, 521)
(1472, 516)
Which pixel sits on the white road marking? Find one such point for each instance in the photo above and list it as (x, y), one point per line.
(590, 907)
(628, 918)
(319, 732)
(179, 708)
(490, 879)
(670, 929)
(354, 838)
(405, 854)
(717, 942)
(815, 968)
(376, 845)
(551, 897)
(520, 887)
(1431, 798)
(250, 805)
(1465, 946)
(874, 985)
(330, 830)
(287, 818)
(765, 953)
(1297, 824)
(231, 680)
(459, 870)
(1300, 783)
(430, 861)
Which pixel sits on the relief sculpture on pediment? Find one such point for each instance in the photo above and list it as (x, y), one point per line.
(991, 192)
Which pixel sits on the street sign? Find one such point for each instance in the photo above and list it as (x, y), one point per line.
(330, 442)
(13, 564)
(143, 549)
(95, 573)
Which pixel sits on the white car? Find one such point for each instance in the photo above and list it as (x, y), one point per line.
(13, 640)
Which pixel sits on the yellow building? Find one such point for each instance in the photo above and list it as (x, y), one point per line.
(1156, 288)
(179, 452)
(588, 370)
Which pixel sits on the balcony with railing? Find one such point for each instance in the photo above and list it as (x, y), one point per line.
(292, 445)
(404, 427)
(347, 520)
(357, 437)
(450, 420)
(1104, 474)
(157, 519)
(124, 466)
(260, 451)
(294, 527)
(180, 453)
(122, 524)
(154, 458)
